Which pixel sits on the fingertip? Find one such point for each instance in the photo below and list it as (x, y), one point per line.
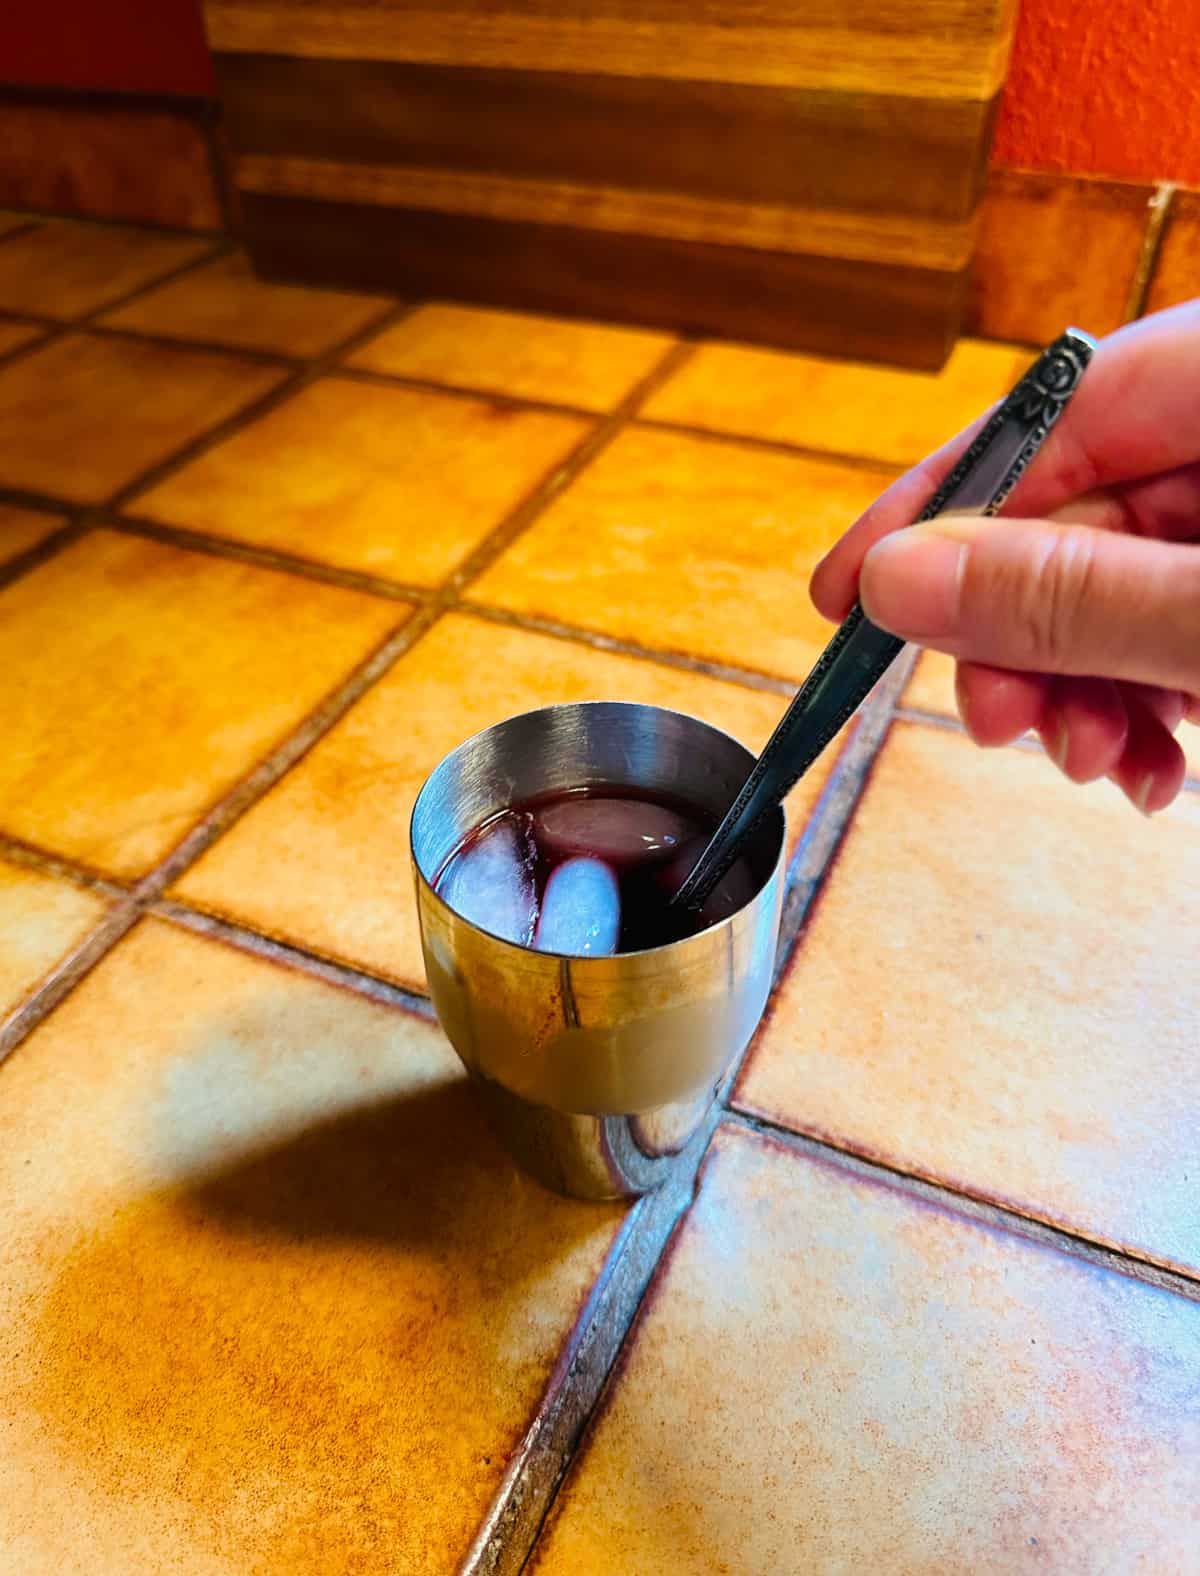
(998, 706)
(1152, 767)
(830, 588)
(1091, 727)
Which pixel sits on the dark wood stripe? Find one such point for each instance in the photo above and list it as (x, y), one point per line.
(752, 144)
(904, 315)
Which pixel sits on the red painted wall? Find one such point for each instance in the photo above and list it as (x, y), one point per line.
(1104, 87)
(123, 46)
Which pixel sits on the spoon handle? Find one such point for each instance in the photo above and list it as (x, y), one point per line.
(860, 652)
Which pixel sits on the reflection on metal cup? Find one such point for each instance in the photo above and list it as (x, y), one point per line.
(597, 1070)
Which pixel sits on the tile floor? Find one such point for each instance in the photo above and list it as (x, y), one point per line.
(271, 1297)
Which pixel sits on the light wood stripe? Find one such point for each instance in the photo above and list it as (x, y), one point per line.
(899, 239)
(939, 49)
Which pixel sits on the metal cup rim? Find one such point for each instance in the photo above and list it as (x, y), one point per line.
(583, 959)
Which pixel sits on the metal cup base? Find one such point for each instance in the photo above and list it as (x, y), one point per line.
(592, 1157)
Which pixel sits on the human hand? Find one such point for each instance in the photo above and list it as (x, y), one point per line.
(1077, 613)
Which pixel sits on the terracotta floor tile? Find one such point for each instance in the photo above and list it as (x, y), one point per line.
(380, 479)
(13, 335)
(85, 415)
(689, 544)
(140, 682)
(931, 688)
(843, 406)
(323, 859)
(831, 1377)
(574, 363)
(10, 221)
(998, 988)
(21, 529)
(225, 302)
(63, 269)
(42, 919)
(273, 1298)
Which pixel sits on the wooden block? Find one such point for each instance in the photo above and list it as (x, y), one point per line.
(671, 142)
(867, 310)
(1177, 273)
(932, 49)
(108, 157)
(1055, 250)
(768, 145)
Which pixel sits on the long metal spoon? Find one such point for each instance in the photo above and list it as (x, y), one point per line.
(860, 652)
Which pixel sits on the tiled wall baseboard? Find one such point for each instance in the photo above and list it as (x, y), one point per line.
(1055, 249)
(112, 156)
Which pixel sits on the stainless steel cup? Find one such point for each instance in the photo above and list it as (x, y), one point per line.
(597, 1069)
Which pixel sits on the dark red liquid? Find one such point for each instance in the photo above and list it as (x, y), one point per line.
(588, 872)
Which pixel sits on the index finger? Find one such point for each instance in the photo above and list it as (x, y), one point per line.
(1137, 413)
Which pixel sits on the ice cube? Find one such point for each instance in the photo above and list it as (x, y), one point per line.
(621, 832)
(581, 910)
(491, 882)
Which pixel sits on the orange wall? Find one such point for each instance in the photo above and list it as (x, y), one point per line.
(1104, 87)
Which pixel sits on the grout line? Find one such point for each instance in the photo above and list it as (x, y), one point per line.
(44, 503)
(60, 328)
(975, 1207)
(99, 221)
(12, 314)
(887, 470)
(263, 557)
(229, 809)
(268, 772)
(929, 719)
(748, 678)
(462, 391)
(830, 821)
(207, 254)
(509, 1534)
(1029, 742)
(588, 449)
(66, 975)
(40, 552)
(300, 377)
(28, 346)
(18, 852)
(1143, 274)
(344, 975)
(36, 222)
(219, 347)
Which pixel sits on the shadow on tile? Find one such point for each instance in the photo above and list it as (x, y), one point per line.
(273, 1298)
(374, 1173)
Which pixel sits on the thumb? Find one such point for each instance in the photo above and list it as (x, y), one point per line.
(1041, 597)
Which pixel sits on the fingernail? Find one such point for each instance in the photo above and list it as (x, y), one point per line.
(1142, 797)
(910, 584)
